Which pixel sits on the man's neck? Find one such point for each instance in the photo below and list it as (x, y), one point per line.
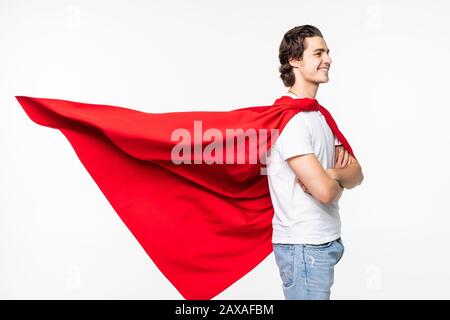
(305, 90)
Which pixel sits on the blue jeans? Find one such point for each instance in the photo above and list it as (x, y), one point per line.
(307, 270)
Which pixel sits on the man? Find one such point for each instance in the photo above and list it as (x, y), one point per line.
(220, 217)
(307, 175)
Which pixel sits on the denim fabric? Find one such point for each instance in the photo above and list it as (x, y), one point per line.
(307, 271)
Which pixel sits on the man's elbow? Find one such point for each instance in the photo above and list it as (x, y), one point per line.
(330, 193)
(356, 181)
(360, 177)
(326, 200)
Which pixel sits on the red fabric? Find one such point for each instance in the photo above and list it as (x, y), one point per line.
(204, 226)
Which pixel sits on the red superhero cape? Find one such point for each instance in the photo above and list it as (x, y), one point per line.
(204, 225)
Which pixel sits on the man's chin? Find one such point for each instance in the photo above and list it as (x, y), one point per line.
(323, 80)
(318, 79)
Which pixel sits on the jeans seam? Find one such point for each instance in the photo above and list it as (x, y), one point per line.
(294, 266)
(304, 266)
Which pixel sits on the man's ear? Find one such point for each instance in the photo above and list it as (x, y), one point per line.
(294, 62)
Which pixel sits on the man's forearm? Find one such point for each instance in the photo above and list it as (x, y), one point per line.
(349, 176)
(337, 191)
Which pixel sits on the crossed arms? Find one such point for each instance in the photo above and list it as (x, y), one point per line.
(327, 185)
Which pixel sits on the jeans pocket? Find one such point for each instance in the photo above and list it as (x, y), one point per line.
(319, 246)
(285, 259)
(341, 245)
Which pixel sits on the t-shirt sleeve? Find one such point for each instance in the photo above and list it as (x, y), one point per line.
(296, 137)
(336, 141)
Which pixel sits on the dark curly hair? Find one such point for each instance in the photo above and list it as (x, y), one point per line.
(292, 47)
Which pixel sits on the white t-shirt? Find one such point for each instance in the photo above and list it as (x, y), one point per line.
(299, 217)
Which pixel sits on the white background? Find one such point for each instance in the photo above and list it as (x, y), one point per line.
(388, 92)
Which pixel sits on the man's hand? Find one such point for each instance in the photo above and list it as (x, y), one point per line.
(332, 174)
(342, 158)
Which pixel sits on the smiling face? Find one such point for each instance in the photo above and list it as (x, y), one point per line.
(314, 65)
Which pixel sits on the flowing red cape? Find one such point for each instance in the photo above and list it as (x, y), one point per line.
(204, 225)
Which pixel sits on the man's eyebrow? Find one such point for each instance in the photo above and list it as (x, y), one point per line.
(322, 50)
